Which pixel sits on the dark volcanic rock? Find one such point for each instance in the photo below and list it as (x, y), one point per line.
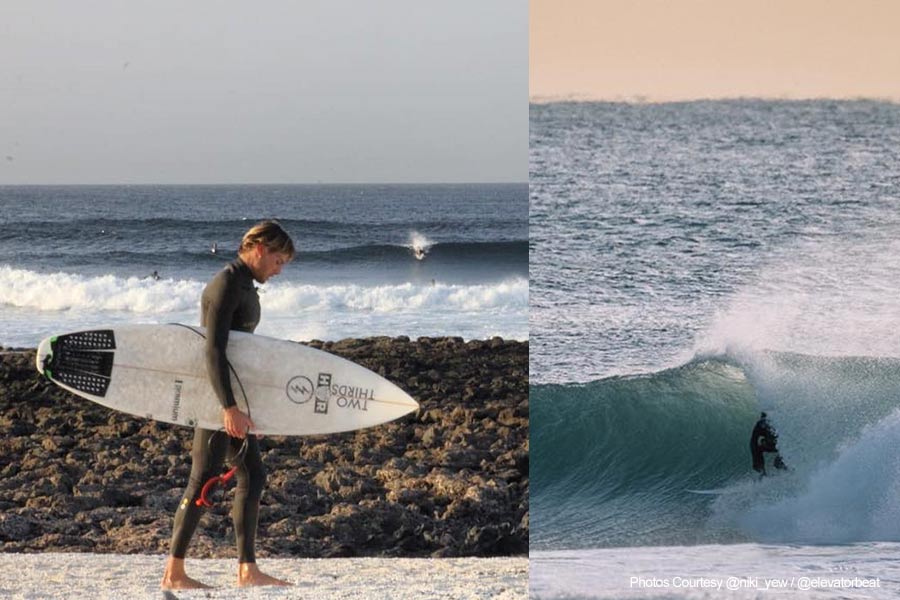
(448, 480)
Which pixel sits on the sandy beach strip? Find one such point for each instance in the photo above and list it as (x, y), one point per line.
(115, 576)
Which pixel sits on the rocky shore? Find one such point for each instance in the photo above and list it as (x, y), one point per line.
(448, 480)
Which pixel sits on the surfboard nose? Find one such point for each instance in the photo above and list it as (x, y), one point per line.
(401, 397)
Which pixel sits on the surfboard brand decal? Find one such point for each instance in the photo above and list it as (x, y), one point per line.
(176, 404)
(323, 393)
(300, 390)
(350, 396)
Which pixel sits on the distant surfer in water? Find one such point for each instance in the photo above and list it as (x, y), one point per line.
(764, 439)
(230, 302)
(419, 245)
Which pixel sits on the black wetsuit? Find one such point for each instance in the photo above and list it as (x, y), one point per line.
(764, 439)
(229, 302)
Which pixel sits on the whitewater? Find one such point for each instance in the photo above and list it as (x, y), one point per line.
(38, 304)
(393, 260)
(692, 265)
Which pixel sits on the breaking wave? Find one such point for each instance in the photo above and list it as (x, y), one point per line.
(614, 458)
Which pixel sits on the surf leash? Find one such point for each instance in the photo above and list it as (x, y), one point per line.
(212, 482)
(209, 485)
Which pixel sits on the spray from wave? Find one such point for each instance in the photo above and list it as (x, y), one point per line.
(419, 244)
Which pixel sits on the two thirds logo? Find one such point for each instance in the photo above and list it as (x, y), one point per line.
(323, 393)
(301, 390)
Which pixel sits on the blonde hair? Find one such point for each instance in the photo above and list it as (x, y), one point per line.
(270, 234)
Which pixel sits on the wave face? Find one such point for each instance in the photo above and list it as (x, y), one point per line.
(476, 258)
(613, 458)
(496, 253)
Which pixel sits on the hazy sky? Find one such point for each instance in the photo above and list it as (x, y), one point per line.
(690, 49)
(253, 92)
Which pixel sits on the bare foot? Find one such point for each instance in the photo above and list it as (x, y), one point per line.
(183, 583)
(176, 579)
(250, 575)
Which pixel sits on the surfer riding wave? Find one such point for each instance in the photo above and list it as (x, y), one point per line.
(764, 439)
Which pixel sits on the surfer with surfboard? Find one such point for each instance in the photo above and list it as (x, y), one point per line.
(764, 439)
(230, 302)
(180, 374)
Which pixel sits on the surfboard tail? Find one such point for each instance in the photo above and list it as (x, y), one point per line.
(81, 361)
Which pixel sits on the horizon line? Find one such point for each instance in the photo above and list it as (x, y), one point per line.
(644, 99)
(318, 183)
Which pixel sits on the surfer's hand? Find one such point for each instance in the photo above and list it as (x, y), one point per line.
(237, 424)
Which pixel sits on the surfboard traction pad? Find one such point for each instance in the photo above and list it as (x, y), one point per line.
(82, 360)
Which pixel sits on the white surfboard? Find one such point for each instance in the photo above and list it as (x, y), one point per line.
(159, 372)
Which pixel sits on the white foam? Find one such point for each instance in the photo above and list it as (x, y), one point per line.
(735, 571)
(40, 304)
(63, 291)
(512, 294)
(853, 498)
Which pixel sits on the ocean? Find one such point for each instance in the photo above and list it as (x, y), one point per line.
(693, 264)
(414, 260)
